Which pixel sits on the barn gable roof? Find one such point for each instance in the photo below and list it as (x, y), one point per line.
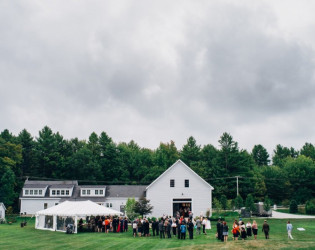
(176, 163)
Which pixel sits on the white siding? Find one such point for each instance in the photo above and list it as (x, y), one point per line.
(2, 212)
(117, 202)
(31, 206)
(161, 195)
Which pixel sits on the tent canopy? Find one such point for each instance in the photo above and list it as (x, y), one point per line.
(78, 209)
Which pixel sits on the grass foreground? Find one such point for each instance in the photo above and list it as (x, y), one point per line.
(15, 237)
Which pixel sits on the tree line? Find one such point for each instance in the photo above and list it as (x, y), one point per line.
(288, 174)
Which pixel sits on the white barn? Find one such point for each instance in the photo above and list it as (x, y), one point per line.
(179, 189)
(2, 211)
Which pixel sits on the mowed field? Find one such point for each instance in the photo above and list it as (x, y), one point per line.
(15, 237)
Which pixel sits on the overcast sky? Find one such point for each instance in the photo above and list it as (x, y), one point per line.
(156, 71)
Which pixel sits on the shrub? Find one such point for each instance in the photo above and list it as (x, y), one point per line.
(293, 207)
(310, 207)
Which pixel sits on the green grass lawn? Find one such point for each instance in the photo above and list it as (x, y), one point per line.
(15, 237)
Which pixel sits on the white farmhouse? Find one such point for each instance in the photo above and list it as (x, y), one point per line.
(2, 211)
(179, 189)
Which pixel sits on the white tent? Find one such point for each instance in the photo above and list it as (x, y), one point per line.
(57, 217)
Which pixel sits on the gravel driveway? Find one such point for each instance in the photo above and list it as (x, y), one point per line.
(278, 215)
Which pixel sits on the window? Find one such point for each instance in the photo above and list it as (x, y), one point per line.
(88, 192)
(172, 183)
(83, 192)
(56, 204)
(122, 208)
(58, 192)
(96, 192)
(26, 192)
(186, 183)
(45, 205)
(40, 192)
(62, 192)
(67, 192)
(101, 192)
(53, 192)
(35, 192)
(31, 192)
(109, 204)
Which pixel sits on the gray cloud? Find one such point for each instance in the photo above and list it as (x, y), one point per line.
(154, 71)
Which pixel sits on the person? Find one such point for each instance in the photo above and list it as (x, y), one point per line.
(80, 225)
(255, 229)
(243, 231)
(139, 228)
(157, 227)
(134, 228)
(178, 223)
(236, 230)
(153, 227)
(198, 224)
(183, 231)
(174, 226)
(190, 229)
(107, 225)
(249, 229)
(168, 229)
(147, 228)
(266, 229)
(126, 225)
(118, 225)
(122, 225)
(115, 225)
(225, 231)
(161, 229)
(218, 229)
(289, 229)
(204, 223)
(99, 225)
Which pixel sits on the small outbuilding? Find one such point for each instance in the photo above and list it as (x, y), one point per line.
(2, 211)
(69, 212)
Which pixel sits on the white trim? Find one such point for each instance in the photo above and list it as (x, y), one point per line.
(178, 161)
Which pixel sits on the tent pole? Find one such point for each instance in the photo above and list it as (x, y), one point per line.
(76, 224)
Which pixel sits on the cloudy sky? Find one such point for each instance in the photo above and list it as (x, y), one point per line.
(155, 71)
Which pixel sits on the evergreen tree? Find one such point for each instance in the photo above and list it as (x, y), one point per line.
(260, 155)
(143, 206)
(293, 207)
(7, 185)
(238, 202)
(223, 201)
(190, 153)
(249, 203)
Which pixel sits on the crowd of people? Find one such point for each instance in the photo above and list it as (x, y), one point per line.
(104, 224)
(239, 230)
(168, 227)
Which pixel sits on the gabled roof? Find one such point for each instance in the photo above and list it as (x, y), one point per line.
(52, 182)
(78, 208)
(177, 162)
(115, 191)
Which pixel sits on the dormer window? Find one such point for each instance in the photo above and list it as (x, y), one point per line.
(60, 192)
